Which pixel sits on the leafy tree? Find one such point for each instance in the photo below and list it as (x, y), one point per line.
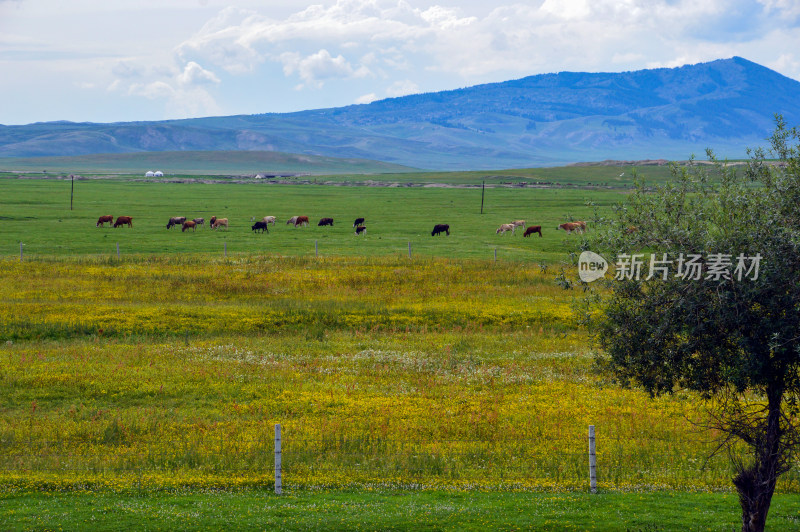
(733, 337)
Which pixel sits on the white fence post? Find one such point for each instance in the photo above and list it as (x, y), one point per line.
(592, 462)
(495, 255)
(225, 249)
(277, 458)
(117, 249)
(316, 249)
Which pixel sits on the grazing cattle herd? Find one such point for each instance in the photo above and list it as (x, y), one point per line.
(358, 224)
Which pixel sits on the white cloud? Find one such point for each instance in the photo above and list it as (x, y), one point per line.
(194, 74)
(320, 66)
(445, 19)
(153, 91)
(180, 88)
(153, 52)
(367, 98)
(392, 35)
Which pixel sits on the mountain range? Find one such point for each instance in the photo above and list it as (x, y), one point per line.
(542, 120)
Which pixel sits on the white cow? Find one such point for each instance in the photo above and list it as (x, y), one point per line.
(504, 228)
(292, 221)
(269, 220)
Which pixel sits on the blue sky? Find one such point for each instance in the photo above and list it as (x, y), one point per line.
(127, 60)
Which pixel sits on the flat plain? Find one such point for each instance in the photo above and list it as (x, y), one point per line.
(149, 384)
(36, 213)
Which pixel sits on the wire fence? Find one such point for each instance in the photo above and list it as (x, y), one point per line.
(347, 460)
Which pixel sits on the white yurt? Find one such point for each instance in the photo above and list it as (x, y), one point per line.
(149, 173)
(158, 173)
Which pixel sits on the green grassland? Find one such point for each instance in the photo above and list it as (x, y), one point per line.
(36, 212)
(408, 510)
(446, 391)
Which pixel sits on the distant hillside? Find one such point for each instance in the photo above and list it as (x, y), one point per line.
(534, 121)
(203, 162)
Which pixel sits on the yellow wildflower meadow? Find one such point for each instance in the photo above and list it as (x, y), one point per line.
(160, 373)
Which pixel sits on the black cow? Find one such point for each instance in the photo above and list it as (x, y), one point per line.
(176, 220)
(358, 222)
(262, 226)
(325, 221)
(440, 228)
(361, 230)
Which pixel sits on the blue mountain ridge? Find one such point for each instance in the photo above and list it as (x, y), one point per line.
(541, 120)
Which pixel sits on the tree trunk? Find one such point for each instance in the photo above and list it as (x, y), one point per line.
(755, 482)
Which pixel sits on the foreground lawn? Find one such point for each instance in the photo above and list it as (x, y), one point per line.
(262, 510)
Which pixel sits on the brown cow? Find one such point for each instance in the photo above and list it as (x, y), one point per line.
(325, 221)
(219, 222)
(211, 222)
(301, 220)
(124, 220)
(189, 224)
(571, 226)
(533, 229)
(104, 219)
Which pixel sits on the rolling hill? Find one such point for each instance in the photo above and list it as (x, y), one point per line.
(540, 120)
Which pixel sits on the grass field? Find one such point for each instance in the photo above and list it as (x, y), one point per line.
(36, 213)
(444, 390)
(406, 510)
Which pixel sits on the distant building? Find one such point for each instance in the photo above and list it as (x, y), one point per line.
(149, 173)
(158, 173)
